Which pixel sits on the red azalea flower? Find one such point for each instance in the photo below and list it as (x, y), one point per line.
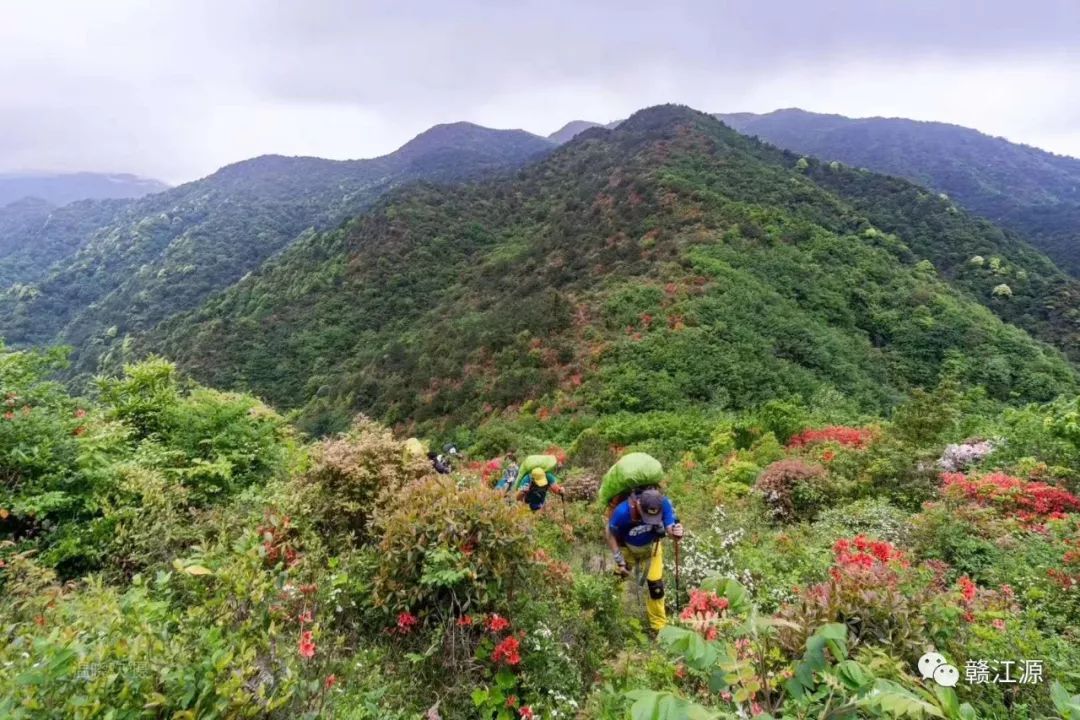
(526, 713)
(406, 621)
(496, 623)
(512, 701)
(507, 652)
(967, 588)
(306, 645)
(331, 681)
(845, 436)
(465, 621)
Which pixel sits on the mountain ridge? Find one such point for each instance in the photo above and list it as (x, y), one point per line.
(669, 260)
(1021, 187)
(169, 251)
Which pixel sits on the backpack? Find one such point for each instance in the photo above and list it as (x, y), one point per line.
(632, 472)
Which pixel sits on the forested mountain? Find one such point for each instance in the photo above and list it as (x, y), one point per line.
(167, 252)
(668, 263)
(1019, 187)
(34, 234)
(571, 130)
(810, 362)
(63, 188)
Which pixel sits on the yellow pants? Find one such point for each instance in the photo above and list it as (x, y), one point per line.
(650, 559)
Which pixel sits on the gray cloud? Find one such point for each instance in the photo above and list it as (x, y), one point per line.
(177, 88)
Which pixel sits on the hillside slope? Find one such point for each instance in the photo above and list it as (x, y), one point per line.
(1019, 187)
(670, 262)
(166, 253)
(64, 188)
(35, 234)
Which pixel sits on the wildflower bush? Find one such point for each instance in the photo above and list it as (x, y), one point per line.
(171, 551)
(733, 657)
(792, 489)
(447, 551)
(871, 590)
(351, 476)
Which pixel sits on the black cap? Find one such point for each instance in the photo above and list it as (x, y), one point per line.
(651, 507)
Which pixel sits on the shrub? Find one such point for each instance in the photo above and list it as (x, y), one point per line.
(447, 551)
(791, 489)
(1028, 500)
(844, 436)
(591, 450)
(224, 637)
(961, 456)
(350, 475)
(782, 419)
(871, 590)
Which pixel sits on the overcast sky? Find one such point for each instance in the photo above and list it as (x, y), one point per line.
(176, 88)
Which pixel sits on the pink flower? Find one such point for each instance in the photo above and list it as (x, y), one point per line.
(998, 624)
(307, 645)
(526, 713)
(331, 681)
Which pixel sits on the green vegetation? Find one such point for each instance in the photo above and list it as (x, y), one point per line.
(668, 264)
(34, 235)
(1022, 188)
(870, 454)
(168, 252)
(171, 551)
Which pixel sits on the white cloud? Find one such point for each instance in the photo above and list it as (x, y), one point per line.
(177, 88)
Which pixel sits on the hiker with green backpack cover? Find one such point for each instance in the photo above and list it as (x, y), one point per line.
(639, 517)
(537, 480)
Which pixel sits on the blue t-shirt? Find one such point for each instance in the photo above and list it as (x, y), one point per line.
(627, 531)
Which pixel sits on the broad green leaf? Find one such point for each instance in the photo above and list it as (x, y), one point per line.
(855, 676)
(949, 703)
(198, 570)
(651, 705)
(695, 650)
(898, 702)
(737, 597)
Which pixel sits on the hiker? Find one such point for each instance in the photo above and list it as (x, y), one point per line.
(437, 462)
(634, 531)
(510, 474)
(535, 487)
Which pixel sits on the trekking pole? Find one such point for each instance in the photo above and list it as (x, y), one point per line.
(677, 564)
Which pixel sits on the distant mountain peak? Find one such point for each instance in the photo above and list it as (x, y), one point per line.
(664, 119)
(64, 188)
(571, 130)
(469, 136)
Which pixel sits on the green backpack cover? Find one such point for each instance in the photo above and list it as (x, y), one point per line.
(546, 463)
(631, 471)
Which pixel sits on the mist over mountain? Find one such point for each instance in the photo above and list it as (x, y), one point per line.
(63, 188)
